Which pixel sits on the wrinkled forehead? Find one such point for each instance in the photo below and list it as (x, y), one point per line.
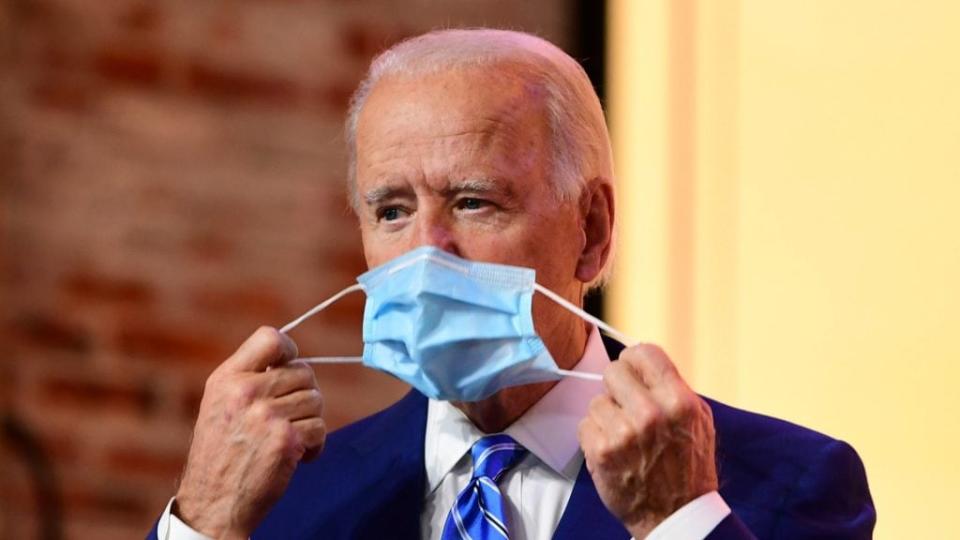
(452, 124)
(500, 96)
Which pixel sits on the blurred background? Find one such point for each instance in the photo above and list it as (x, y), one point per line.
(172, 176)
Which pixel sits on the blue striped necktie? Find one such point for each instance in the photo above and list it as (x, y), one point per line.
(479, 512)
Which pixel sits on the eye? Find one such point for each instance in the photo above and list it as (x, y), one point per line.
(390, 213)
(472, 203)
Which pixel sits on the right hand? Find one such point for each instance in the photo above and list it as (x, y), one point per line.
(260, 416)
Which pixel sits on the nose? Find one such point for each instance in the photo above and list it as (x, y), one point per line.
(434, 230)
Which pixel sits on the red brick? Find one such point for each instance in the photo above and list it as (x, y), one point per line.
(362, 41)
(144, 462)
(93, 287)
(210, 247)
(143, 17)
(134, 65)
(225, 29)
(259, 301)
(37, 12)
(45, 331)
(61, 448)
(107, 501)
(346, 262)
(140, 338)
(63, 94)
(225, 84)
(335, 97)
(56, 56)
(98, 395)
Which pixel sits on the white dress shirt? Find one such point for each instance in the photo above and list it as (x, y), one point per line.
(538, 487)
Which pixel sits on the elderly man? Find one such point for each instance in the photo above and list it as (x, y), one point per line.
(491, 146)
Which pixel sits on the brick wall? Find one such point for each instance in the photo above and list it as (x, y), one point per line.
(172, 177)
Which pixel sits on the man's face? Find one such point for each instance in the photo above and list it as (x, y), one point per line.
(461, 160)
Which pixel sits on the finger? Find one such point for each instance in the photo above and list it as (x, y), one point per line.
(651, 362)
(299, 405)
(620, 427)
(625, 386)
(264, 348)
(658, 373)
(286, 378)
(604, 412)
(313, 434)
(591, 441)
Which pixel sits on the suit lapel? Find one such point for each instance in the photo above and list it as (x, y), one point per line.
(395, 505)
(585, 515)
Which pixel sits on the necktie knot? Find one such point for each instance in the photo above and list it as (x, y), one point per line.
(493, 455)
(479, 512)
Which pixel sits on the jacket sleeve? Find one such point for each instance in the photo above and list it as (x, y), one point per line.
(830, 500)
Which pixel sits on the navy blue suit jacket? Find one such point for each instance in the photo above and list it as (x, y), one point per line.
(781, 481)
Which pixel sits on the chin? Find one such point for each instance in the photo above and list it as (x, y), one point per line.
(498, 411)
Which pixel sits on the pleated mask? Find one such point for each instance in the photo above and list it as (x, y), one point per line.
(454, 329)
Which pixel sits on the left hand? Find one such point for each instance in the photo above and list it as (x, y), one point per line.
(648, 440)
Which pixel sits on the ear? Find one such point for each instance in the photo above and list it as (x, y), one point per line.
(596, 218)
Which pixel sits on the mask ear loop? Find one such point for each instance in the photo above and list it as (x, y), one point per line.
(563, 302)
(317, 309)
(625, 339)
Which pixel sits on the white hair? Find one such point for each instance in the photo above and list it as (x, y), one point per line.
(580, 143)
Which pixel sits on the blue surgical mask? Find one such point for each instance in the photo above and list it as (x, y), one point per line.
(453, 329)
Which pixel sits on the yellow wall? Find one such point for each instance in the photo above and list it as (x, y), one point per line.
(789, 177)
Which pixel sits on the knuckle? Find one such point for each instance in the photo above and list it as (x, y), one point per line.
(605, 453)
(624, 435)
(212, 382)
(680, 406)
(596, 404)
(319, 433)
(688, 406)
(618, 370)
(216, 378)
(648, 419)
(704, 408)
(243, 393)
(278, 439)
(317, 397)
(629, 355)
(305, 375)
(260, 411)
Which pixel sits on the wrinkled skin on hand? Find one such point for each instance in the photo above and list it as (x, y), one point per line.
(259, 417)
(648, 440)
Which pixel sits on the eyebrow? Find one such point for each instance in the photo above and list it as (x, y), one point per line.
(473, 185)
(378, 195)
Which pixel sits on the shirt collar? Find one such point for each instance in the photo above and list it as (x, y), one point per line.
(548, 429)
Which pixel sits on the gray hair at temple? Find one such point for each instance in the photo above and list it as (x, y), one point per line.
(580, 141)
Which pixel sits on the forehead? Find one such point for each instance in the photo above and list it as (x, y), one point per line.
(456, 118)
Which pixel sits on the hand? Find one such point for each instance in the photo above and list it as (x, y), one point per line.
(648, 441)
(260, 415)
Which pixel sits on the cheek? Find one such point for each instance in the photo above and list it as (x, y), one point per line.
(557, 248)
(375, 250)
